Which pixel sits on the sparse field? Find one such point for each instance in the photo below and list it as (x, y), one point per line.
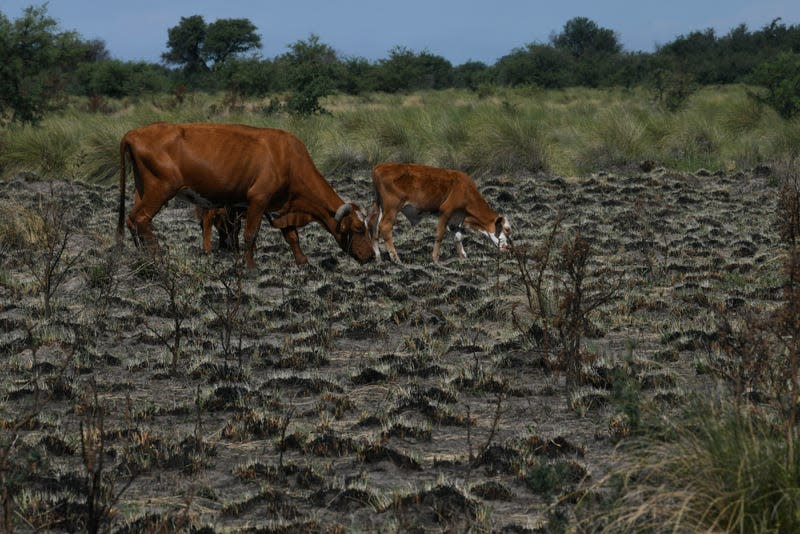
(377, 398)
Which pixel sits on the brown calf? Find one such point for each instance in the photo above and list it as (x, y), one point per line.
(416, 190)
(227, 221)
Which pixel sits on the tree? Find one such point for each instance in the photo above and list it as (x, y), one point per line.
(781, 78)
(226, 38)
(185, 43)
(582, 37)
(406, 70)
(358, 76)
(471, 75)
(313, 71)
(248, 76)
(537, 64)
(36, 63)
(193, 43)
(593, 48)
(118, 79)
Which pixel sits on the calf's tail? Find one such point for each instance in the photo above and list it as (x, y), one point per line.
(375, 213)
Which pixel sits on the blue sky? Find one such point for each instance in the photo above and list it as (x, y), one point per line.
(459, 30)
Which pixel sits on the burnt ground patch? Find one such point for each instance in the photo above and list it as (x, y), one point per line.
(414, 397)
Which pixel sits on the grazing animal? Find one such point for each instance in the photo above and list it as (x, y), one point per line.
(261, 170)
(417, 190)
(227, 221)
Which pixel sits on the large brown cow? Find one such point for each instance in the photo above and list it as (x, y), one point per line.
(417, 190)
(267, 171)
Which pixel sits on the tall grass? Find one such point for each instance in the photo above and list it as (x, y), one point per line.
(45, 151)
(569, 131)
(725, 471)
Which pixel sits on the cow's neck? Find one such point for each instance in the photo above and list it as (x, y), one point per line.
(481, 214)
(322, 206)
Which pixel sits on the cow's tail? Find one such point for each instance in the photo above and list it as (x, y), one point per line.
(123, 150)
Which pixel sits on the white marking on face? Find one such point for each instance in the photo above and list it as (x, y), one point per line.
(492, 237)
(504, 233)
(502, 241)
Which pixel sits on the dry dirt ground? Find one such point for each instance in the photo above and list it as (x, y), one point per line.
(341, 397)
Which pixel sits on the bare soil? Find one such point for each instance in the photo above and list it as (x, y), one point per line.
(376, 398)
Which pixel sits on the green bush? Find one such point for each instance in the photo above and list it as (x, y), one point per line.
(781, 78)
(118, 79)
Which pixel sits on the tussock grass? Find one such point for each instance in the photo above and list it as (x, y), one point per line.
(20, 227)
(101, 157)
(45, 151)
(615, 138)
(566, 131)
(720, 472)
(505, 142)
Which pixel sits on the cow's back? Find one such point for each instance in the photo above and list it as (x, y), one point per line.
(218, 161)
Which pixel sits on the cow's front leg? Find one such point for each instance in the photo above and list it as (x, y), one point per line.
(291, 237)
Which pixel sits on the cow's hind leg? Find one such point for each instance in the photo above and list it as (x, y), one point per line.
(139, 219)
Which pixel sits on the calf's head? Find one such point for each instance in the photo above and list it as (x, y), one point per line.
(499, 233)
(352, 234)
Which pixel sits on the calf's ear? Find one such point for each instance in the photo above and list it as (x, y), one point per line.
(499, 224)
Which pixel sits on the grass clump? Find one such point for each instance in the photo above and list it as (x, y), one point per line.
(722, 471)
(46, 151)
(616, 137)
(505, 142)
(20, 227)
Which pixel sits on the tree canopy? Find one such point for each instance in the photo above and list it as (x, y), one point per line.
(582, 37)
(197, 46)
(37, 60)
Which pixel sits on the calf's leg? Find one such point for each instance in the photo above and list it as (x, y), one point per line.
(385, 226)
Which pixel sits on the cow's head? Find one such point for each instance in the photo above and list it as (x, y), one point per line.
(500, 234)
(351, 232)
